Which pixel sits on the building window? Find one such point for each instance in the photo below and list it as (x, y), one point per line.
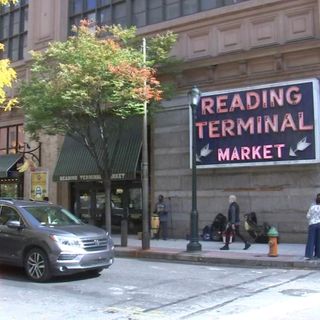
(11, 139)
(77, 6)
(139, 8)
(155, 12)
(173, 9)
(102, 12)
(139, 12)
(91, 4)
(13, 30)
(105, 16)
(190, 7)
(9, 188)
(119, 13)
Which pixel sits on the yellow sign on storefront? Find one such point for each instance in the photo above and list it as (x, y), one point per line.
(39, 185)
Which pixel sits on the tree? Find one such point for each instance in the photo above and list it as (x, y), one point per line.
(7, 2)
(83, 86)
(7, 74)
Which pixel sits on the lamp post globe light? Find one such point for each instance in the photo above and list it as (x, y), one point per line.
(194, 98)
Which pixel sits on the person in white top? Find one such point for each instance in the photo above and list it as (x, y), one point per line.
(313, 242)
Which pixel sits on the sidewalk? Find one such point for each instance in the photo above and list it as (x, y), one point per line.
(289, 255)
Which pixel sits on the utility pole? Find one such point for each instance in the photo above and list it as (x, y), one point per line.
(145, 167)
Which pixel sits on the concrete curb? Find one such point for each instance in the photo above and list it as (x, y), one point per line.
(218, 258)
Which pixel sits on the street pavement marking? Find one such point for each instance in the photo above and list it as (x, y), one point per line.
(134, 313)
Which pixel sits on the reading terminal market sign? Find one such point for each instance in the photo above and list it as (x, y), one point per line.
(270, 124)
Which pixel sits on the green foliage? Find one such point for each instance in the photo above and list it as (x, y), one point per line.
(7, 2)
(158, 48)
(7, 77)
(89, 77)
(81, 87)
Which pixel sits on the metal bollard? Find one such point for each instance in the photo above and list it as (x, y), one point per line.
(124, 229)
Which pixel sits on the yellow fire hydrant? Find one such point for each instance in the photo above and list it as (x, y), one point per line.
(273, 242)
(155, 224)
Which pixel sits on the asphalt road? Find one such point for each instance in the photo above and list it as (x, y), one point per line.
(135, 289)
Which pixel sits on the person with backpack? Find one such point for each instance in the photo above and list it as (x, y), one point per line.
(233, 225)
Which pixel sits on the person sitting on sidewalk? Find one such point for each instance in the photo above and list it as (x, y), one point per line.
(234, 223)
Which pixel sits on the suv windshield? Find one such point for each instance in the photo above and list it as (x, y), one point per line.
(50, 215)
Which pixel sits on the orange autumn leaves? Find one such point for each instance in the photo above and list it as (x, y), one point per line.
(96, 74)
(145, 77)
(130, 73)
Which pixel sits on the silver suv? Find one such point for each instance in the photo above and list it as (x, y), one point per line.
(48, 240)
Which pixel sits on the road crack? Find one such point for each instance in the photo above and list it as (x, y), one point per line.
(220, 305)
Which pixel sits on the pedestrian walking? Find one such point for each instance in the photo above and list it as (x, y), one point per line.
(162, 212)
(313, 241)
(233, 225)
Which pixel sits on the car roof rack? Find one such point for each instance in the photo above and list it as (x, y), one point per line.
(11, 199)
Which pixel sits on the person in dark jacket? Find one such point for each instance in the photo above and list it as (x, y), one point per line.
(161, 210)
(233, 224)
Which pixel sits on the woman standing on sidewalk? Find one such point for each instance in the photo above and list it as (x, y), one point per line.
(313, 242)
(234, 223)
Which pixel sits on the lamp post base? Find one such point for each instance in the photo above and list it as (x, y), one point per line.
(193, 246)
(145, 241)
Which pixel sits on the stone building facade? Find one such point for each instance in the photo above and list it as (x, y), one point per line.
(251, 43)
(224, 45)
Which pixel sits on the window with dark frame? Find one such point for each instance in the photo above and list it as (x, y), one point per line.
(102, 12)
(14, 30)
(11, 139)
(139, 8)
(8, 214)
(138, 12)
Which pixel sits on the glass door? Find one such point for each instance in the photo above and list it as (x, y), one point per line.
(9, 190)
(89, 205)
(84, 211)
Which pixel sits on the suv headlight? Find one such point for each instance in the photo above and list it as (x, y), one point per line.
(66, 243)
(110, 241)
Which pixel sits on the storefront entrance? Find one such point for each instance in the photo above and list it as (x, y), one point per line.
(11, 181)
(126, 200)
(11, 188)
(77, 167)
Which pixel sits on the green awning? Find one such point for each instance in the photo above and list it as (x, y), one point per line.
(7, 161)
(75, 163)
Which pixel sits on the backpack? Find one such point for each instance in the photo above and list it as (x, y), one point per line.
(206, 234)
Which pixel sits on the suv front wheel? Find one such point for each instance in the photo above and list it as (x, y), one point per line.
(36, 265)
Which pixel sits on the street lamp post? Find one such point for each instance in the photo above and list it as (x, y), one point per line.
(145, 168)
(194, 98)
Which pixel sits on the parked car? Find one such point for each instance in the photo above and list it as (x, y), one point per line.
(48, 240)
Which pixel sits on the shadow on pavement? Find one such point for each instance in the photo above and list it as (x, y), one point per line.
(18, 274)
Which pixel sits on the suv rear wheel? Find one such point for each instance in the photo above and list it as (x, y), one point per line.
(36, 265)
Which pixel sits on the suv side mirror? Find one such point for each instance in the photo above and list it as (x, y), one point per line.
(14, 224)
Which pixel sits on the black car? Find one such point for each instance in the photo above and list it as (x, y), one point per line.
(48, 240)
